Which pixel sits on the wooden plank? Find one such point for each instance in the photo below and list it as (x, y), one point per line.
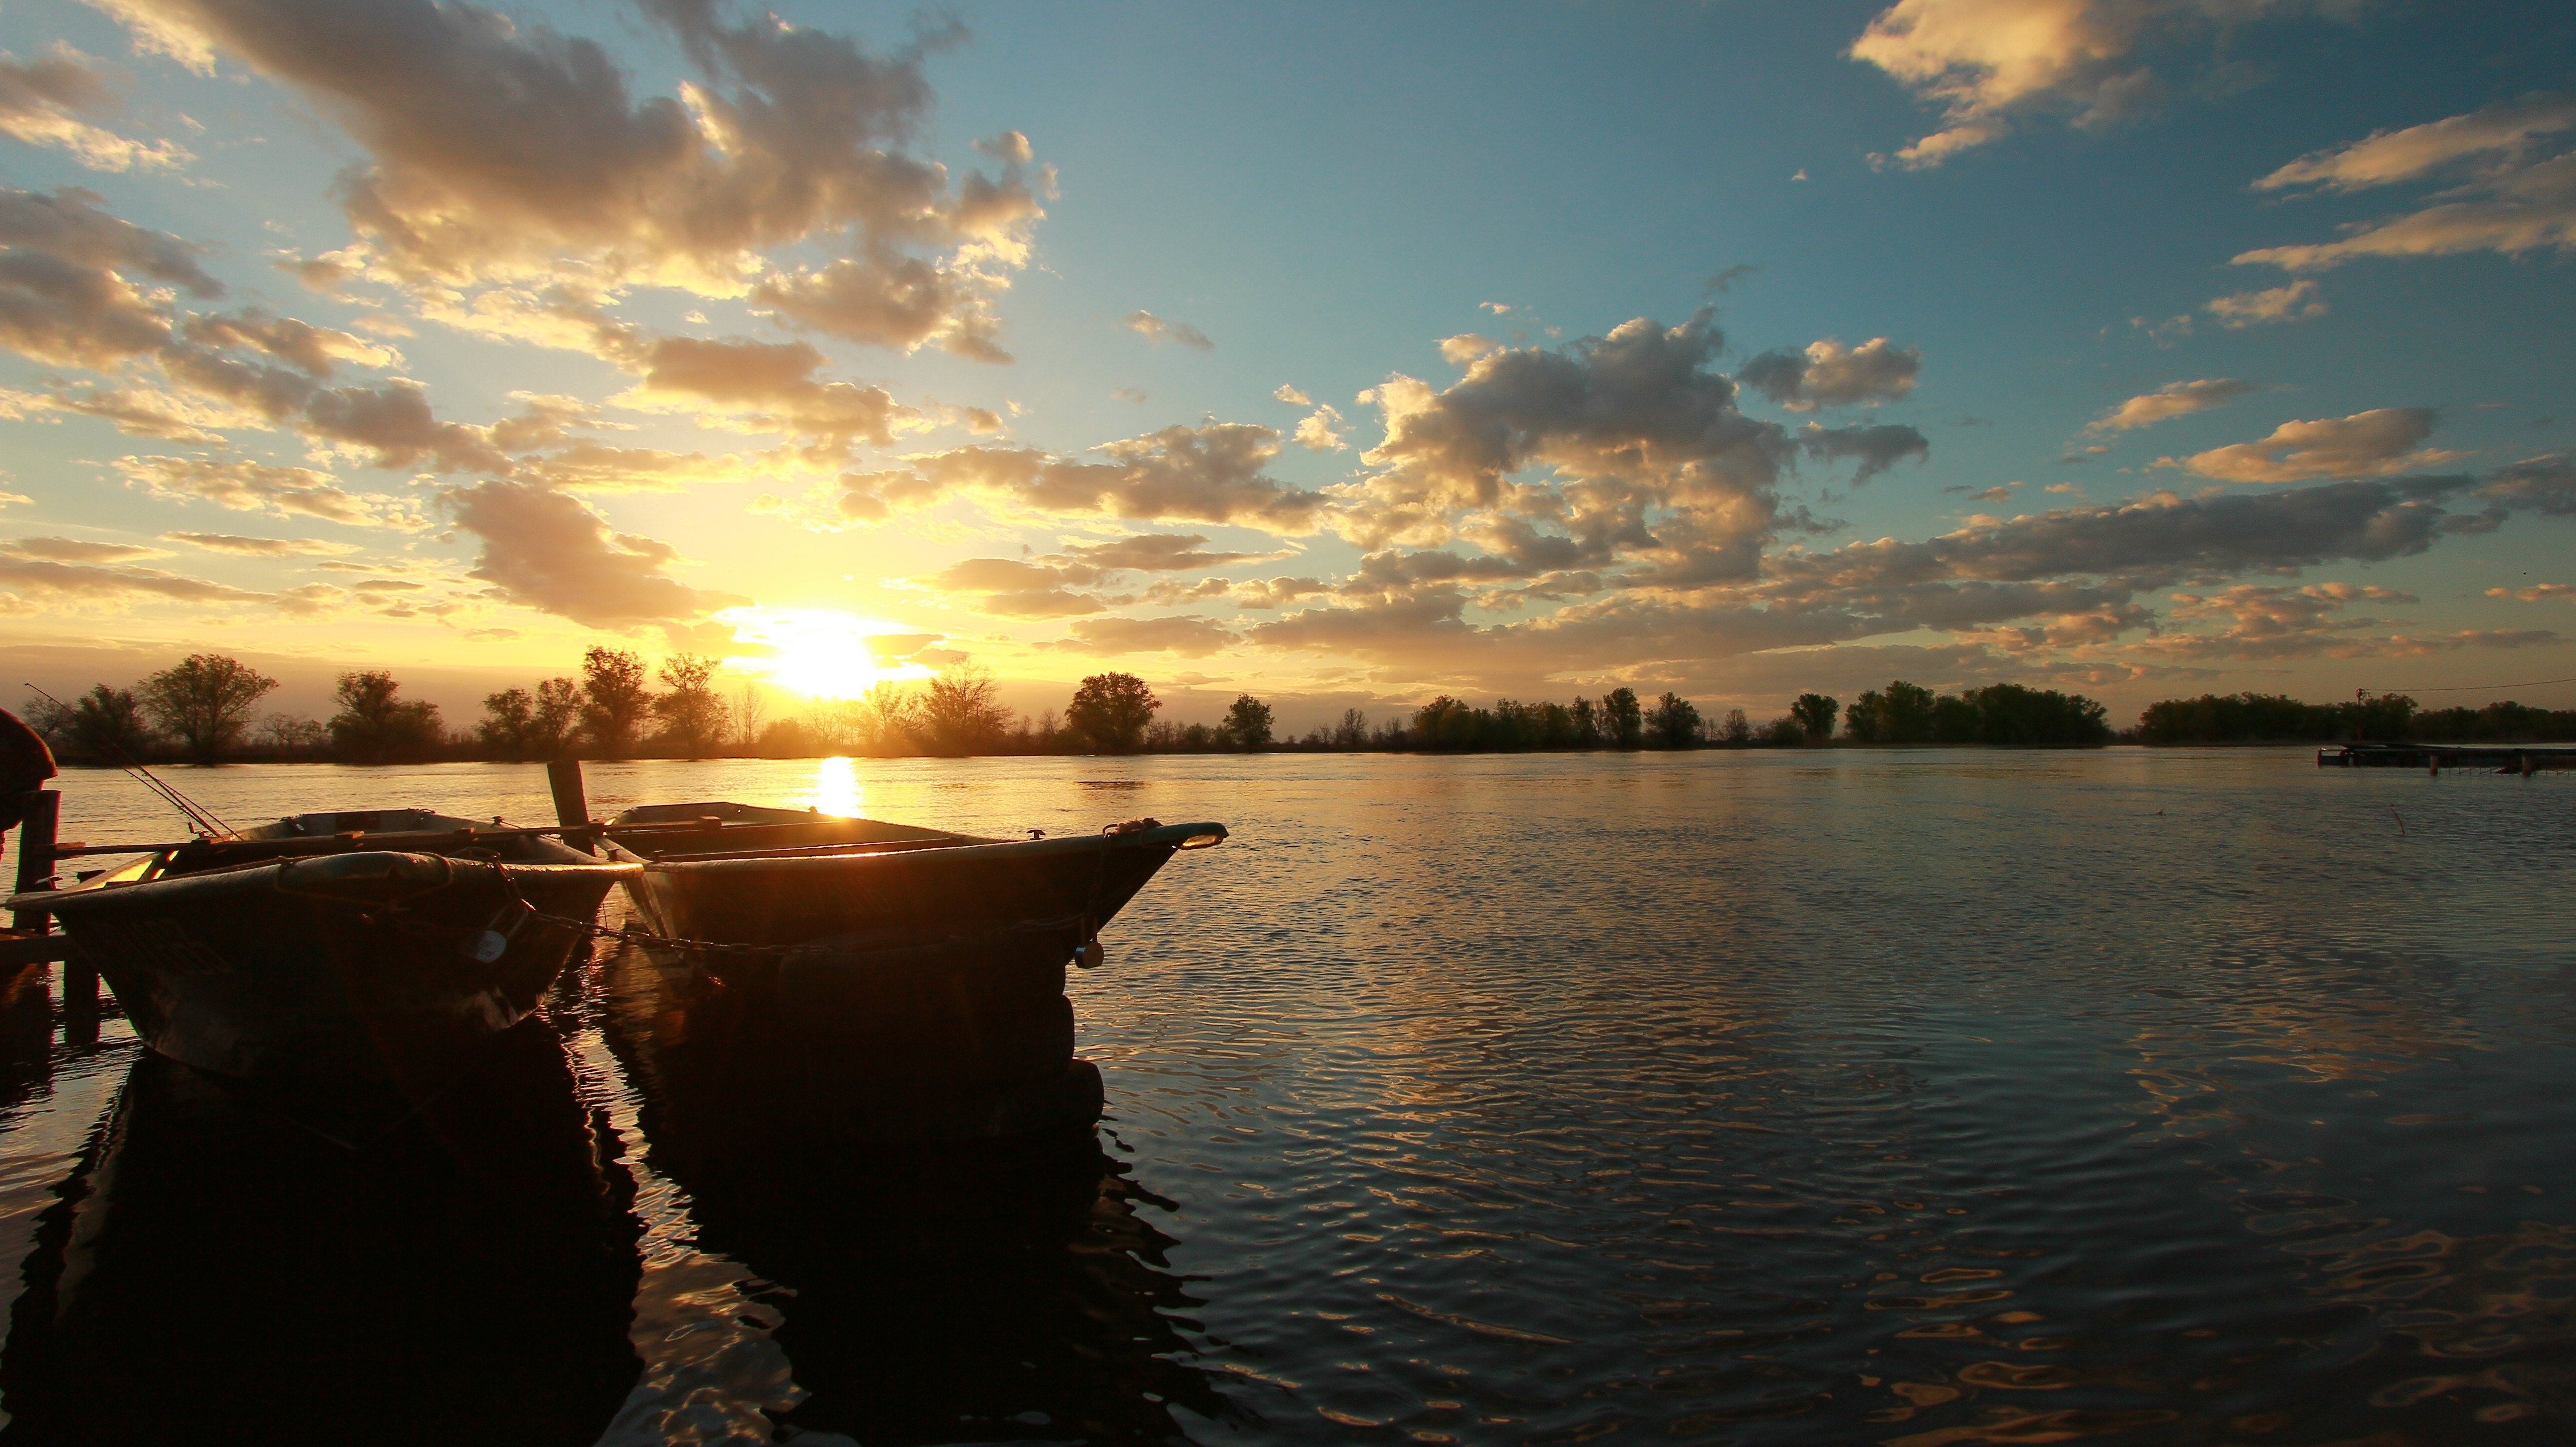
(36, 838)
(20, 950)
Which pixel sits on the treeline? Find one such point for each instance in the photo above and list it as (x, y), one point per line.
(2266, 718)
(205, 710)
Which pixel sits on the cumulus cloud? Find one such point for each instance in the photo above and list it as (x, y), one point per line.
(544, 550)
(1292, 396)
(2545, 484)
(257, 487)
(2272, 622)
(1319, 431)
(2296, 302)
(1008, 588)
(1828, 374)
(1189, 637)
(1212, 474)
(2538, 592)
(67, 289)
(1158, 331)
(56, 100)
(1986, 63)
(1877, 448)
(2173, 399)
(2508, 192)
(393, 427)
(500, 151)
(2366, 444)
(760, 387)
(1156, 553)
(1465, 347)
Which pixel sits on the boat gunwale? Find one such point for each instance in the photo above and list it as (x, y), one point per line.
(1166, 836)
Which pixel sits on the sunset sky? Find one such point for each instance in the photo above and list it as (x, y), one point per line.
(1342, 355)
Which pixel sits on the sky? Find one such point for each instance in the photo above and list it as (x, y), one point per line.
(1341, 355)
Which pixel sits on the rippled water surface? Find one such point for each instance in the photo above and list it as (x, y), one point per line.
(1915, 1097)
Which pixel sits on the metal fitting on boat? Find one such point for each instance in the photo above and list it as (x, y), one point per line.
(1090, 954)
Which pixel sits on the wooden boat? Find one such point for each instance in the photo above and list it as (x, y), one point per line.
(364, 944)
(878, 982)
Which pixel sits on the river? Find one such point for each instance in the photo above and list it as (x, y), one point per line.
(1919, 1097)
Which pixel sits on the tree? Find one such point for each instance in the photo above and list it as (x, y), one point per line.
(1815, 713)
(1674, 722)
(1111, 710)
(748, 712)
(205, 701)
(885, 719)
(104, 725)
(1622, 721)
(374, 726)
(1353, 731)
(1905, 714)
(962, 712)
(691, 711)
(1587, 724)
(508, 718)
(293, 734)
(557, 719)
(1737, 731)
(1247, 722)
(614, 699)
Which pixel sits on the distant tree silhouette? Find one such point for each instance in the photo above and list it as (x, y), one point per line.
(1112, 710)
(1247, 722)
(103, 726)
(557, 719)
(1674, 722)
(1623, 723)
(614, 699)
(963, 713)
(205, 701)
(1815, 713)
(691, 711)
(509, 717)
(374, 726)
(1586, 720)
(1737, 731)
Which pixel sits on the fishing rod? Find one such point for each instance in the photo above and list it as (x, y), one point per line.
(203, 818)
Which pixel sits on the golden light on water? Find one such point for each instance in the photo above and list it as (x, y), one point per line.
(820, 652)
(837, 789)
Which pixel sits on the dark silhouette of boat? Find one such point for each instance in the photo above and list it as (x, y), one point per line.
(375, 944)
(877, 982)
(216, 1272)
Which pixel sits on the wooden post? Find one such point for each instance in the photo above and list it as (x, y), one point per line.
(36, 838)
(572, 808)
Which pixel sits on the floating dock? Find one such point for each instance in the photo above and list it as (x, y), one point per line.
(2523, 759)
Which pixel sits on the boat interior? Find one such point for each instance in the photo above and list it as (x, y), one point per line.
(723, 830)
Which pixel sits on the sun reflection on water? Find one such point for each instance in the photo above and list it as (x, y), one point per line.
(837, 789)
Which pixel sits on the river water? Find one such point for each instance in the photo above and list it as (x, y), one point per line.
(1916, 1097)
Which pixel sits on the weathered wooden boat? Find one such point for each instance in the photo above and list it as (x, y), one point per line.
(883, 983)
(358, 945)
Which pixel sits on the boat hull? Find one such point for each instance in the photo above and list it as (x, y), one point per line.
(364, 965)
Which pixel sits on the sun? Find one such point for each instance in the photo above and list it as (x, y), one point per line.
(823, 653)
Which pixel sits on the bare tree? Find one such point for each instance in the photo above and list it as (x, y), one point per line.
(205, 700)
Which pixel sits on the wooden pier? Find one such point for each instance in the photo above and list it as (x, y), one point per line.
(2523, 759)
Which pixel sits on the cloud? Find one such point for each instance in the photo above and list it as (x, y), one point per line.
(1317, 431)
(393, 427)
(42, 103)
(2173, 399)
(76, 550)
(754, 386)
(2545, 484)
(1465, 347)
(2366, 444)
(1830, 375)
(2506, 195)
(1158, 331)
(257, 487)
(1877, 448)
(259, 547)
(2275, 622)
(1292, 396)
(1985, 63)
(1267, 593)
(499, 151)
(1627, 425)
(22, 574)
(1210, 474)
(1190, 637)
(2296, 302)
(1155, 553)
(546, 551)
(66, 293)
(1013, 589)
(2538, 592)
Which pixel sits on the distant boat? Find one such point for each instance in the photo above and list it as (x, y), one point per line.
(890, 984)
(358, 945)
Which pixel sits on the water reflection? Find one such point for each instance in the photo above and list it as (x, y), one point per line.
(837, 789)
(920, 1296)
(220, 1270)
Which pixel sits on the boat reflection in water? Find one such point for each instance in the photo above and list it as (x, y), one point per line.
(929, 1295)
(220, 1271)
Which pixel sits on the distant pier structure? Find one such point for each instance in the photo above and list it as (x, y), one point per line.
(2523, 759)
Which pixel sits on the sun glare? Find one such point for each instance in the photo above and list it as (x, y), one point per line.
(822, 653)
